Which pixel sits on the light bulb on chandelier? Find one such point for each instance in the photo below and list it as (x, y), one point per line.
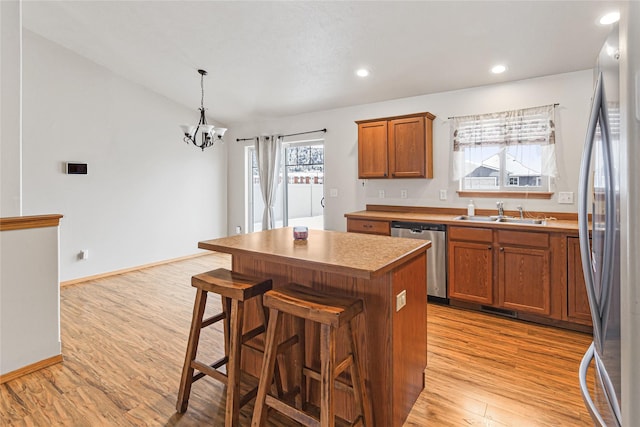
(202, 135)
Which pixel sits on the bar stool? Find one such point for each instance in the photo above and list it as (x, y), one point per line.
(331, 312)
(234, 289)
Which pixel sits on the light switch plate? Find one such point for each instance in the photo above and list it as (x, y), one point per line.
(443, 194)
(381, 194)
(401, 300)
(403, 194)
(333, 192)
(565, 197)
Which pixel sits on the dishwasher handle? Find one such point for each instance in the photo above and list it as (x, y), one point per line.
(417, 227)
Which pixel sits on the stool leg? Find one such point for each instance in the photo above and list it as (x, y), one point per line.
(328, 366)
(299, 361)
(232, 414)
(263, 314)
(226, 324)
(266, 374)
(359, 387)
(192, 349)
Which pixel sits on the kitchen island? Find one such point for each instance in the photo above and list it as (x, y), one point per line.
(377, 269)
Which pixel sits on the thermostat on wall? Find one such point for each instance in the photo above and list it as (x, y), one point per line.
(76, 168)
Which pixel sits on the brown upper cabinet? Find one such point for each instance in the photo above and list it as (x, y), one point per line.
(396, 147)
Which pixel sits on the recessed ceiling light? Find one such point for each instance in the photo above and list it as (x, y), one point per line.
(362, 72)
(498, 69)
(610, 18)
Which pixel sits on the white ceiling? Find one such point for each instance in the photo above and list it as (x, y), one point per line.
(268, 59)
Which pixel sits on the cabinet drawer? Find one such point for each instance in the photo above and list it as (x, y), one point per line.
(470, 234)
(369, 226)
(523, 238)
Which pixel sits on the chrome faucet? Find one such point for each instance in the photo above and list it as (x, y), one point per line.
(500, 206)
(519, 207)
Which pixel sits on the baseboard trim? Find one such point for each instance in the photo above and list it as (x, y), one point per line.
(127, 270)
(30, 368)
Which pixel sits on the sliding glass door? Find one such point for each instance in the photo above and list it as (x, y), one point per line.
(300, 197)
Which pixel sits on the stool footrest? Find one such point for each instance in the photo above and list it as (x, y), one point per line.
(210, 370)
(291, 412)
(213, 319)
(253, 333)
(348, 361)
(247, 397)
(339, 382)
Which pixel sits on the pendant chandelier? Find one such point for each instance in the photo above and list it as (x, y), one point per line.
(202, 135)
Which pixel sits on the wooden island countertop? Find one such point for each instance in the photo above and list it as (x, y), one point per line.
(382, 271)
(359, 255)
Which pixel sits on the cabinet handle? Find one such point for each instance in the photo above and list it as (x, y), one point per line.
(501, 249)
(367, 225)
(489, 247)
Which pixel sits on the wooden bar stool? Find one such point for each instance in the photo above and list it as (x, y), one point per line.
(234, 289)
(330, 312)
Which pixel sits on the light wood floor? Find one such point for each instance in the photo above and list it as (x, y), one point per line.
(124, 339)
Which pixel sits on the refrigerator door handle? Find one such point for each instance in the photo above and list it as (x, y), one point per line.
(583, 217)
(584, 390)
(610, 216)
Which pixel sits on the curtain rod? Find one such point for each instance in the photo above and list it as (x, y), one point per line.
(284, 136)
(453, 117)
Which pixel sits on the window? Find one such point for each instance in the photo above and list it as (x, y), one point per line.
(506, 151)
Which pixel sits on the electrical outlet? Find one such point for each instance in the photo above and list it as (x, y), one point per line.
(565, 197)
(403, 194)
(401, 300)
(333, 192)
(381, 194)
(443, 194)
(238, 229)
(84, 254)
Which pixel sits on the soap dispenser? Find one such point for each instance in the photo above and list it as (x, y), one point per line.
(471, 208)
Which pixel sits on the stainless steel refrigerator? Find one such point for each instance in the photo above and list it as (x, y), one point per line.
(608, 192)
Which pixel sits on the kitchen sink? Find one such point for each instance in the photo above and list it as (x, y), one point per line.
(521, 221)
(476, 218)
(506, 220)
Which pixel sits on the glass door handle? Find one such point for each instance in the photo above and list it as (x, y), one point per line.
(322, 202)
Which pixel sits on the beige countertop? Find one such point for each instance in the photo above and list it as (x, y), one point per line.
(551, 224)
(359, 255)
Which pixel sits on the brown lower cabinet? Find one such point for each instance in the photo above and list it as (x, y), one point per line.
(470, 254)
(578, 310)
(536, 274)
(524, 272)
(500, 268)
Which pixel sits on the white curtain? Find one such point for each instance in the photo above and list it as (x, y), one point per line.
(507, 128)
(268, 150)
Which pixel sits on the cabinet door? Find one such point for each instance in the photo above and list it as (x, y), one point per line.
(524, 279)
(577, 300)
(407, 149)
(373, 153)
(471, 272)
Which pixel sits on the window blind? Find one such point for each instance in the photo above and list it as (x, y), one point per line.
(526, 126)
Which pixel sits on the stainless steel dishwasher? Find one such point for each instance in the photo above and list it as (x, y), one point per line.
(436, 255)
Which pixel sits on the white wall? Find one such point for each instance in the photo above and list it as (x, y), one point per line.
(572, 91)
(10, 126)
(147, 196)
(30, 303)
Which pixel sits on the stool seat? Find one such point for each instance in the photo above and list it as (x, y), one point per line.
(331, 312)
(309, 304)
(230, 284)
